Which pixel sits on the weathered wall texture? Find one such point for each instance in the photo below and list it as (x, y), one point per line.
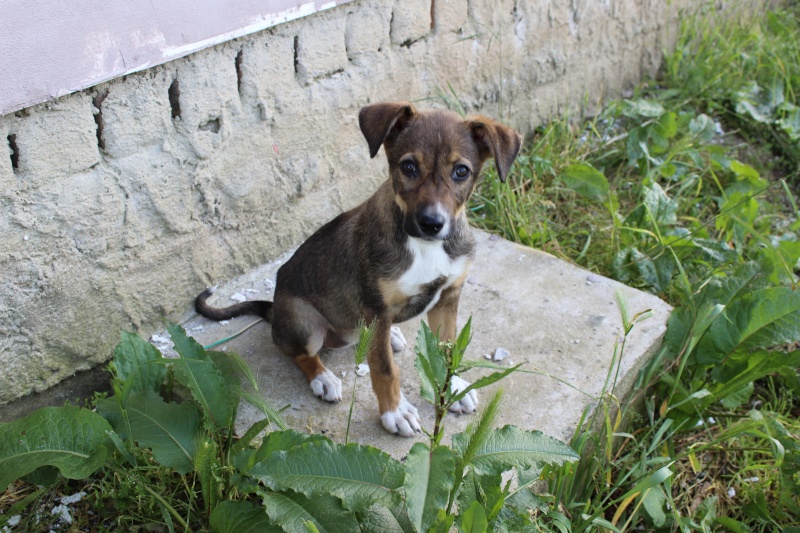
(120, 203)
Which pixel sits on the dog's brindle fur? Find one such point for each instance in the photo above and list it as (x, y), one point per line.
(404, 251)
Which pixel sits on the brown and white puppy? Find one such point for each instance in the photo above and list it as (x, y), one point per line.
(403, 252)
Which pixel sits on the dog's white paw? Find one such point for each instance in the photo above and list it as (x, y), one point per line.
(469, 402)
(327, 386)
(404, 421)
(397, 339)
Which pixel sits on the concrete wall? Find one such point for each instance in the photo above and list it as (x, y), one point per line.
(119, 203)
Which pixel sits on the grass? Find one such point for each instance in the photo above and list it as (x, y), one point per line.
(677, 191)
(689, 190)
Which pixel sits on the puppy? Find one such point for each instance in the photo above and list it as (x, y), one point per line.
(403, 252)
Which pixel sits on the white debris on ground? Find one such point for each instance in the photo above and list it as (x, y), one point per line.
(224, 322)
(498, 355)
(12, 522)
(252, 291)
(238, 297)
(362, 370)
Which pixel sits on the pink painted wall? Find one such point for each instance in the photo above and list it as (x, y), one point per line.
(49, 48)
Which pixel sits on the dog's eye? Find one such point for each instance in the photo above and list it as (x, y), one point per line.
(409, 168)
(461, 172)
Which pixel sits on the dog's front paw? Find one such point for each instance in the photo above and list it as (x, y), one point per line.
(327, 386)
(397, 339)
(403, 421)
(469, 402)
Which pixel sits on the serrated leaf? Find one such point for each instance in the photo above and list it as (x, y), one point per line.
(138, 361)
(238, 516)
(511, 447)
(276, 441)
(359, 475)
(428, 481)
(72, 439)
(208, 388)
(291, 511)
(169, 429)
(200, 375)
(586, 180)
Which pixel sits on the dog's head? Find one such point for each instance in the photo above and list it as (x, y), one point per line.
(435, 159)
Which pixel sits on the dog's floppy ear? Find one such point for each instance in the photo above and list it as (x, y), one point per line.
(497, 141)
(378, 120)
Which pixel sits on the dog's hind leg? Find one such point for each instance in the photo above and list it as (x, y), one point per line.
(299, 331)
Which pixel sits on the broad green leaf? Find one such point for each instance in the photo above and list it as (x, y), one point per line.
(668, 125)
(200, 375)
(359, 475)
(510, 447)
(72, 439)
(634, 144)
(208, 388)
(238, 516)
(759, 319)
(276, 441)
(169, 429)
(743, 367)
(654, 501)
(747, 277)
(790, 124)
(140, 362)
(473, 519)
(586, 180)
(703, 127)
(291, 511)
(738, 397)
(662, 208)
(379, 519)
(636, 268)
(642, 108)
(429, 478)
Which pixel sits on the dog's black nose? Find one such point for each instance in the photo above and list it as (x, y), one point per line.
(430, 223)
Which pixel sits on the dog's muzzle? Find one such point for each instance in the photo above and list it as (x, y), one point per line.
(428, 224)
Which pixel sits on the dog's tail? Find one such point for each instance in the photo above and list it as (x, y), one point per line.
(261, 308)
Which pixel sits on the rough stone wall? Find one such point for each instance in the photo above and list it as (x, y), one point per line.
(118, 204)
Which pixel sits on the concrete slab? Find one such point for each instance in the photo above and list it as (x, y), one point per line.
(560, 320)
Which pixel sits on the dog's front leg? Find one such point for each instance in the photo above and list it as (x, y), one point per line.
(397, 414)
(442, 321)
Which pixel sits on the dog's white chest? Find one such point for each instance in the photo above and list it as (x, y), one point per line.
(430, 262)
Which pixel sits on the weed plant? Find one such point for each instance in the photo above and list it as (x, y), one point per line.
(161, 453)
(688, 190)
